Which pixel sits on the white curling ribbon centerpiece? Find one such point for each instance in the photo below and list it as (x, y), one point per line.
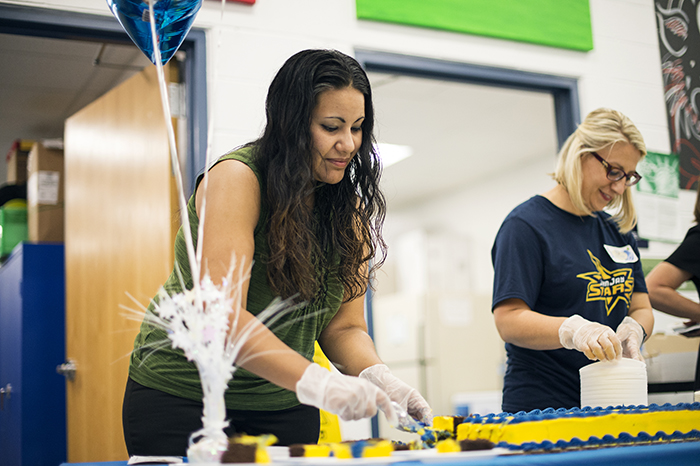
(199, 322)
(203, 322)
(200, 330)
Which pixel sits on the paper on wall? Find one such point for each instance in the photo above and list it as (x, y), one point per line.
(43, 188)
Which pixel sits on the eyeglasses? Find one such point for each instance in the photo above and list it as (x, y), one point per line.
(616, 174)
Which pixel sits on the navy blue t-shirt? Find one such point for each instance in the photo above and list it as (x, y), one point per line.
(560, 264)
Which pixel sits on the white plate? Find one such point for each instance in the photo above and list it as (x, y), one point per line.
(155, 459)
(435, 456)
(349, 461)
(417, 455)
(277, 452)
(280, 455)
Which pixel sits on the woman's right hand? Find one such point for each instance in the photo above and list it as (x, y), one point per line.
(349, 397)
(631, 335)
(596, 341)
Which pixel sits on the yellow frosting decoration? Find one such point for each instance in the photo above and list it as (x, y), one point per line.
(341, 450)
(381, 448)
(261, 455)
(317, 450)
(582, 427)
(447, 446)
(444, 423)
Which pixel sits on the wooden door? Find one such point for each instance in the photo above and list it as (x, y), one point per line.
(118, 240)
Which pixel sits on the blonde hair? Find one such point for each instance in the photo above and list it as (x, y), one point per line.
(601, 128)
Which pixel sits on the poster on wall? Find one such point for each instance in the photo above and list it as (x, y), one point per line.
(664, 210)
(556, 23)
(656, 197)
(679, 46)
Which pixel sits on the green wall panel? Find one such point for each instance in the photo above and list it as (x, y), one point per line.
(557, 23)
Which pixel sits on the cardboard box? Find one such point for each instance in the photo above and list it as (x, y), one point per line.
(17, 161)
(45, 191)
(670, 358)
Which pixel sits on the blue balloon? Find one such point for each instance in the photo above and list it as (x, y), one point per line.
(173, 20)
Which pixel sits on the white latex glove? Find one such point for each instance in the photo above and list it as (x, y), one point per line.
(631, 335)
(349, 397)
(596, 341)
(399, 391)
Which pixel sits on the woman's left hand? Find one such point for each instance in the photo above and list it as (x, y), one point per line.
(399, 391)
(631, 336)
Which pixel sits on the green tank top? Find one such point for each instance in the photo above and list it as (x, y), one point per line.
(168, 370)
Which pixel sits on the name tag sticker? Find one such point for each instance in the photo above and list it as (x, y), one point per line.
(621, 255)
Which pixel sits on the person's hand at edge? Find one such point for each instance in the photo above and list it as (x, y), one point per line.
(406, 396)
(349, 397)
(631, 335)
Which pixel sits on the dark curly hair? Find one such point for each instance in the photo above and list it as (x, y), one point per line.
(343, 223)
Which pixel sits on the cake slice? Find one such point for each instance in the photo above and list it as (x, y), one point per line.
(448, 423)
(244, 448)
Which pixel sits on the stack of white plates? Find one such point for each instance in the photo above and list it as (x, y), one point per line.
(614, 383)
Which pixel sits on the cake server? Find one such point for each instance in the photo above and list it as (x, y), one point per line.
(404, 421)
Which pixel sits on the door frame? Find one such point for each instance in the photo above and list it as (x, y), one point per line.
(61, 24)
(564, 90)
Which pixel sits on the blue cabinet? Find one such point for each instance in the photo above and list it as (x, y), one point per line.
(32, 344)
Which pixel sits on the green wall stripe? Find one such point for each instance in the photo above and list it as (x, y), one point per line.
(557, 23)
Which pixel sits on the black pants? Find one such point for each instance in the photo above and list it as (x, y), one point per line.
(159, 424)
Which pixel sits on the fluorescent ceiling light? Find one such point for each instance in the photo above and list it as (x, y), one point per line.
(392, 153)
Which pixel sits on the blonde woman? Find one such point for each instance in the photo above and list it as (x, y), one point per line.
(568, 283)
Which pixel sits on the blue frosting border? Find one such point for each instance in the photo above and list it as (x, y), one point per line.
(593, 442)
(551, 413)
(607, 441)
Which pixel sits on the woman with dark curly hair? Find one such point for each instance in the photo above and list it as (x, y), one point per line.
(302, 210)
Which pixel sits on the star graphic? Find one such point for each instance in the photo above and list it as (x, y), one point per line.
(599, 290)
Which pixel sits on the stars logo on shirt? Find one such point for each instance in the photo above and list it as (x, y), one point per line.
(610, 286)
